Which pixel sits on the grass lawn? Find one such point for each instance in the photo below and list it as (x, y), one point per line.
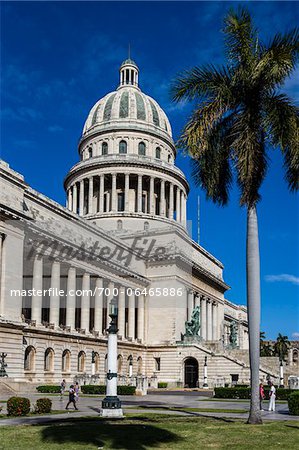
(151, 432)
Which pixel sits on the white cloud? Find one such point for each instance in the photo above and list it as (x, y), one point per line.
(295, 335)
(282, 277)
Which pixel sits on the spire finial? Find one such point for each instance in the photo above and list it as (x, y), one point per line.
(129, 51)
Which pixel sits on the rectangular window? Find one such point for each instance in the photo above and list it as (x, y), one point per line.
(120, 201)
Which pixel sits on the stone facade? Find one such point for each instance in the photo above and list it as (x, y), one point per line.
(123, 234)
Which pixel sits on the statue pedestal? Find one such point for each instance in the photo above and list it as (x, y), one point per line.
(189, 340)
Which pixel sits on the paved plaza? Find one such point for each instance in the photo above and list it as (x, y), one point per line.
(154, 403)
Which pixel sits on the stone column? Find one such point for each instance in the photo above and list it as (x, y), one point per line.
(203, 317)
(162, 198)
(75, 198)
(110, 288)
(102, 187)
(98, 306)
(71, 298)
(170, 215)
(85, 302)
(70, 199)
(90, 195)
(81, 198)
(190, 303)
(139, 194)
(127, 191)
(183, 215)
(209, 320)
(140, 317)
(37, 284)
(178, 204)
(114, 196)
(152, 195)
(131, 321)
(215, 321)
(54, 294)
(121, 311)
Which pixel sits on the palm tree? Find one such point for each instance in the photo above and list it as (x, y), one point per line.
(240, 113)
(281, 346)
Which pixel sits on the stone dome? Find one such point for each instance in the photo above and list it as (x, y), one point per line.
(128, 107)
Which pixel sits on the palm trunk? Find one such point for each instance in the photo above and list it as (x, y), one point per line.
(254, 312)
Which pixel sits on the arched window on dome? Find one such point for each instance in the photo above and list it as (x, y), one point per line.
(169, 158)
(123, 147)
(158, 153)
(105, 148)
(141, 149)
(90, 152)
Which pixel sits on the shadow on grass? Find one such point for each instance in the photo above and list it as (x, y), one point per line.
(118, 434)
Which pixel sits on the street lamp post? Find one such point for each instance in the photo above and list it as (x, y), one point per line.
(205, 374)
(281, 374)
(111, 405)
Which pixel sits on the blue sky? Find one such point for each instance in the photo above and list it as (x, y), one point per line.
(59, 58)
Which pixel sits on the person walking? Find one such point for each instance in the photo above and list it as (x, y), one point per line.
(71, 397)
(77, 389)
(272, 396)
(262, 396)
(62, 389)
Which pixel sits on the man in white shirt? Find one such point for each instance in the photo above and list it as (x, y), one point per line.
(272, 395)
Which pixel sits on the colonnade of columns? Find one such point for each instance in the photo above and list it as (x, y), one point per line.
(210, 317)
(111, 193)
(130, 321)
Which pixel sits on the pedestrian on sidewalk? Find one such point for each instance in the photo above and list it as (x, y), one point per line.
(77, 389)
(262, 396)
(71, 397)
(272, 396)
(62, 389)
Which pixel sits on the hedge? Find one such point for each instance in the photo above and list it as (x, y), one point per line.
(43, 406)
(162, 385)
(244, 393)
(18, 406)
(293, 403)
(101, 389)
(49, 389)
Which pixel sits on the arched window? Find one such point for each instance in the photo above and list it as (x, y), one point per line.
(139, 365)
(158, 153)
(66, 361)
(90, 152)
(81, 361)
(122, 147)
(49, 360)
(169, 158)
(130, 365)
(96, 361)
(119, 364)
(119, 225)
(146, 226)
(141, 148)
(29, 358)
(105, 148)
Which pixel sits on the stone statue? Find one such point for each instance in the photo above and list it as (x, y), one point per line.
(233, 334)
(192, 327)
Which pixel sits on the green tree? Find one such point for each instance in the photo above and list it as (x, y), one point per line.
(240, 114)
(281, 346)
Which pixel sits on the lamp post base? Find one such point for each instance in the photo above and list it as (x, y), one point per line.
(111, 412)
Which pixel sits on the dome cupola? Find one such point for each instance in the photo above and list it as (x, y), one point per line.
(128, 74)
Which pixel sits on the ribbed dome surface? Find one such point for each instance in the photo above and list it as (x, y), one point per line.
(127, 104)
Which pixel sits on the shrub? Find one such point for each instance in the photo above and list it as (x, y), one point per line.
(293, 403)
(162, 385)
(243, 392)
(43, 406)
(18, 406)
(49, 389)
(101, 389)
